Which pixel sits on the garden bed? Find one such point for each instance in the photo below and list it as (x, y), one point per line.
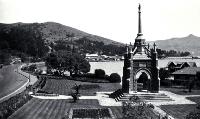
(91, 113)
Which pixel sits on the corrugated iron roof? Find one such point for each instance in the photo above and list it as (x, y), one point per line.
(188, 71)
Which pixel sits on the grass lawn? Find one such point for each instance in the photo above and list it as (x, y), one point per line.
(56, 109)
(178, 111)
(194, 99)
(65, 87)
(181, 91)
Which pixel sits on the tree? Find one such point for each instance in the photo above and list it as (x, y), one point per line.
(99, 73)
(66, 61)
(115, 78)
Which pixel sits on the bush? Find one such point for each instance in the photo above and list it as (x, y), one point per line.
(32, 67)
(99, 73)
(115, 78)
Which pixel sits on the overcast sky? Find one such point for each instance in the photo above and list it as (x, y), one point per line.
(113, 19)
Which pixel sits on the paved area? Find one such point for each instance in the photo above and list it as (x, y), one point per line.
(104, 99)
(177, 99)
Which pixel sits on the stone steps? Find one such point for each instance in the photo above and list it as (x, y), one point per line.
(148, 97)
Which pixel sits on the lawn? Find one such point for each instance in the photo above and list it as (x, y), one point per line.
(181, 91)
(178, 111)
(65, 87)
(56, 109)
(194, 99)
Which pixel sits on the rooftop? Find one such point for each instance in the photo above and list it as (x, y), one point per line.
(187, 71)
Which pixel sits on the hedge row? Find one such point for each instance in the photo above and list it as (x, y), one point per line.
(100, 74)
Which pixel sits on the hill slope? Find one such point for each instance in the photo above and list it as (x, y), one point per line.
(35, 39)
(54, 31)
(190, 43)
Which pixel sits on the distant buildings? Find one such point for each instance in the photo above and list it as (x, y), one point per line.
(102, 58)
(92, 57)
(15, 60)
(174, 66)
(187, 74)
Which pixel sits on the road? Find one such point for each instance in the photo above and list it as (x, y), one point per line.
(13, 81)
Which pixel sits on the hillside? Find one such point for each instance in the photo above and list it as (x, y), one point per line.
(52, 31)
(35, 38)
(189, 43)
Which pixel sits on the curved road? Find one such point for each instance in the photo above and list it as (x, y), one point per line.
(13, 81)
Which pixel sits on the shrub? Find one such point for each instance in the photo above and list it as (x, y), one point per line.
(32, 67)
(106, 77)
(151, 106)
(115, 78)
(99, 73)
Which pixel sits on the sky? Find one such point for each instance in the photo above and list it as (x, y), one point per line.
(113, 19)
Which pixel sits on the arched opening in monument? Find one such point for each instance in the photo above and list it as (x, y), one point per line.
(143, 80)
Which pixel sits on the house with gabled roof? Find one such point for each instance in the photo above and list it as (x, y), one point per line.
(174, 66)
(187, 74)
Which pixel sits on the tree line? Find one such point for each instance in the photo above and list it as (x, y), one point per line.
(23, 38)
(171, 53)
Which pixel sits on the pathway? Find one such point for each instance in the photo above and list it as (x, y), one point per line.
(104, 99)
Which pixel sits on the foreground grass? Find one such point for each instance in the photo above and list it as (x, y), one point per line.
(178, 111)
(195, 99)
(56, 109)
(49, 109)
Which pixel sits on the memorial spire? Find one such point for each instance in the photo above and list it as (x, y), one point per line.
(139, 21)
